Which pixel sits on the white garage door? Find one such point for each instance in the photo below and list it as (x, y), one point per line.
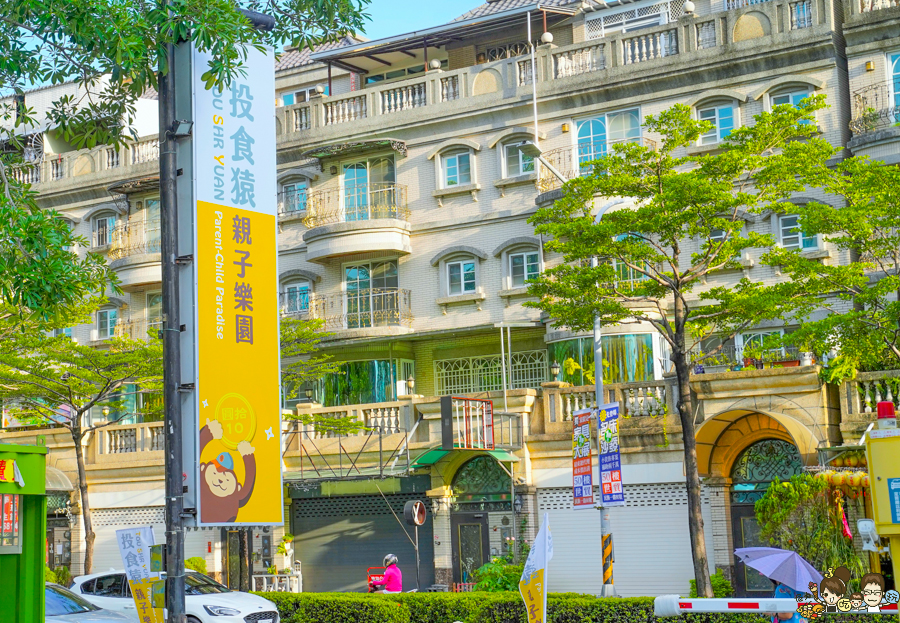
(650, 541)
(107, 520)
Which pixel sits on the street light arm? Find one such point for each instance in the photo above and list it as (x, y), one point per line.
(552, 169)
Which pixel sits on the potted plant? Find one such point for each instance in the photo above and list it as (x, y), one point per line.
(753, 355)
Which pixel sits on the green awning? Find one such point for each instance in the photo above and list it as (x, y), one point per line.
(431, 457)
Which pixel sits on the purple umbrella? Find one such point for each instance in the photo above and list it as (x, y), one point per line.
(780, 565)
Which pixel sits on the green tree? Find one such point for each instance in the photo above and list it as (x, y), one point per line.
(687, 223)
(803, 515)
(863, 322)
(115, 49)
(55, 381)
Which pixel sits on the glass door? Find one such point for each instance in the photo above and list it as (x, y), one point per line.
(894, 71)
(154, 313)
(356, 197)
(385, 295)
(383, 188)
(152, 231)
(358, 283)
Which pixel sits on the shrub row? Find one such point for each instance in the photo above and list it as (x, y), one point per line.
(476, 607)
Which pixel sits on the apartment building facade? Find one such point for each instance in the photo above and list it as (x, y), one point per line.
(404, 198)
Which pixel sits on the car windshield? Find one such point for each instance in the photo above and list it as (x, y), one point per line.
(60, 601)
(199, 584)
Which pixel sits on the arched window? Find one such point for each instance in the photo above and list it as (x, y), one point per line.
(461, 275)
(790, 95)
(515, 162)
(295, 297)
(107, 318)
(596, 135)
(723, 115)
(761, 463)
(102, 227)
(293, 196)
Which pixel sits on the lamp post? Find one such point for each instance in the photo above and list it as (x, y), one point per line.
(554, 370)
(411, 385)
(309, 394)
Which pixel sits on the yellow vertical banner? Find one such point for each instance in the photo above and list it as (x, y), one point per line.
(238, 376)
(239, 442)
(533, 583)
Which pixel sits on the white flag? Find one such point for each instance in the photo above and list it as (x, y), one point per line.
(533, 583)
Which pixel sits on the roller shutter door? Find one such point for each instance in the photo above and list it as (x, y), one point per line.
(651, 541)
(338, 538)
(107, 520)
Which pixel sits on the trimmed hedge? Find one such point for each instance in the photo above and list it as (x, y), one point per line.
(483, 607)
(477, 607)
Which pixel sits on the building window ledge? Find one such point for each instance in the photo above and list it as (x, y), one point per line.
(816, 254)
(298, 215)
(440, 193)
(475, 298)
(513, 293)
(697, 150)
(504, 183)
(103, 248)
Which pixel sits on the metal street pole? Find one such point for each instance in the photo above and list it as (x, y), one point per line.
(605, 528)
(174, 463)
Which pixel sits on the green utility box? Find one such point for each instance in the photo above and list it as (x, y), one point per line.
(23, 531)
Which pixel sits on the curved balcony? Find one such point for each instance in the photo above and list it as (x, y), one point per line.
(357, 218)
(363, 313)
(573, 161)
(134, 253)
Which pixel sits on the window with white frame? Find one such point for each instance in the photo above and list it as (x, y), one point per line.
(515, 162)
(300, 95)
(154, 310)
(792, 97)
(523, 267)
(293, 196)
(596, 135)
(793, 237)
(295, 297)
(894, 82)
(461, 278)
(66, 332)
(106, 323)
(102, 227)
(722, 117)
(456, 168)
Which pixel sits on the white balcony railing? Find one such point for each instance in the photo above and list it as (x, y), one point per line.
(403, 98)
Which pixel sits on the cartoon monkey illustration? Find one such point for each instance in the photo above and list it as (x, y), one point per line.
(220, 493)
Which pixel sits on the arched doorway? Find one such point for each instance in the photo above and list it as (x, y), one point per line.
(481, 507)
(752, 472)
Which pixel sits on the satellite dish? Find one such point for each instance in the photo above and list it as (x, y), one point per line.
(34, 148)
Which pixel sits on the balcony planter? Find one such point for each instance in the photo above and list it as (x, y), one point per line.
(786, 363)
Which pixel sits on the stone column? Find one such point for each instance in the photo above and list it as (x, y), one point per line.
(720, 506)
(443, 560)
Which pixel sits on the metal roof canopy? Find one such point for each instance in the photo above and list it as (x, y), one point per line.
(430, 457)
(356, 147)
(435, 37)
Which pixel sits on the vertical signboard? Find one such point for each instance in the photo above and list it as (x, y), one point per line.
(582, 462)
(135, 546)
(611, 493)
(237, 358)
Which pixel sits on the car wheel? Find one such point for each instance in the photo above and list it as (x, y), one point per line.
(193, 620)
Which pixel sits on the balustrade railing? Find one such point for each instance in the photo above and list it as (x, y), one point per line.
(356, 202)
(346, 110)
(801, 14)
(450, 88)
(579, 61)
(706, 35)
(113, 158)
(138, 328)
(386, 418)
(740, 4)
(135, 238)
(302, 118)
(144, 151)
(523, 73)
(57, 168)
(403, 98)
(864, 392)
(645, 47)
(641, 399)
(361, 309)
(26, 173)
(575, 160)
(866, 6)
(876, 106)
(131, 438)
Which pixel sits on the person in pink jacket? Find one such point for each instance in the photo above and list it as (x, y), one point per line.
(393, 579)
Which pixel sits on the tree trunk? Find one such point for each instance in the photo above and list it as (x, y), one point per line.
(685, 413)
(89, 535)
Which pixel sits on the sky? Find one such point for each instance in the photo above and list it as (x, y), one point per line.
(395, 17)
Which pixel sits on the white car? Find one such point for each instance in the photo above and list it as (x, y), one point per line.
(206, 601)
(63, 606)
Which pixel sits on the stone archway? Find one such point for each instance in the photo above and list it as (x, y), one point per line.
(723, 443)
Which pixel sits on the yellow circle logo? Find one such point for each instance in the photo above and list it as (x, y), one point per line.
(237, 419)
